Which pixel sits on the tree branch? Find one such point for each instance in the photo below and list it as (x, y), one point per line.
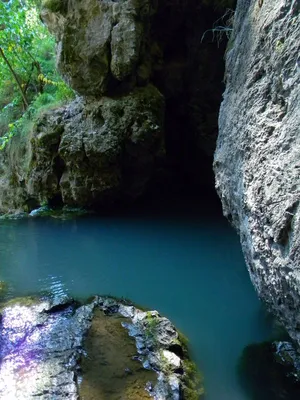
(15, 77)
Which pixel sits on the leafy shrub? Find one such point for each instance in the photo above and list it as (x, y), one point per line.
(29, 81)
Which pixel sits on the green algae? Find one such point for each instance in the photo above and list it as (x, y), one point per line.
(3, 289)
(192, 381)
(26, 301)
(193, 386)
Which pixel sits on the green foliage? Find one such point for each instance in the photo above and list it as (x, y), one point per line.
(29, 81)
(192, 378)
(150, 328)
(41, 103)
(193, 381)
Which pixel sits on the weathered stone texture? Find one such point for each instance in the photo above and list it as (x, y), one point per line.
(40, 349)
(147, 116)
(45, 349)
(257, 160)
(91, 153)
(98, 41)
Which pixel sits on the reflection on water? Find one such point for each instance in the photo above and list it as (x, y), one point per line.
(54, 285)
(188, 267)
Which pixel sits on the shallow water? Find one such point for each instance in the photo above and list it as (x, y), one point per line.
(185, 263)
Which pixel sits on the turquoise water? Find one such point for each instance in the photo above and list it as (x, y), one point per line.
(186, 264)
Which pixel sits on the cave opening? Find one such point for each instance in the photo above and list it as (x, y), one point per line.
(191, 78)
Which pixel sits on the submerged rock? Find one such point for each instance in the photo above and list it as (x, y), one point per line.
(58, 213)
(110, 370)
(287, 355)
(3, 289)
(61, 349)
(270, 371)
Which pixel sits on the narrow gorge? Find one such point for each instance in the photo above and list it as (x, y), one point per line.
(113, 193)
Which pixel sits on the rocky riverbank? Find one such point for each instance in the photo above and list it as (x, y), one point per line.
(104, 348)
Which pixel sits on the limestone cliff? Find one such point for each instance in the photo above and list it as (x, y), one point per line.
(257, 160)
(146, 87)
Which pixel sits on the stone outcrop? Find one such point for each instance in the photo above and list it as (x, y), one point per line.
(61, 349)
(149, 95)
(87, 154)
(161, 349)
(100, 44)
(105, 149)
(257, 160)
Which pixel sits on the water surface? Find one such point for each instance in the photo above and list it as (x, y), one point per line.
(183, 260)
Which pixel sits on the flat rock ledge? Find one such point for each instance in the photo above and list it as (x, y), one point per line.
(47, 347)
(46, 211)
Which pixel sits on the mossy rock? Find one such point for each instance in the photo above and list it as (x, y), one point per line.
(27, 301)
(13, 216)
(3, 289)
(193, 386)
(55, 5)
(193, 381)
(263, 377)
(60, 213)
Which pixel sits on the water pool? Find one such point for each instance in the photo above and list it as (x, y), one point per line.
(185, 263)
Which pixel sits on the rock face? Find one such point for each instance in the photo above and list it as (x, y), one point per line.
(40, 349)
(105, 149)
(257, 159)
(88, 154)
(43, 352)
(100, 43)
(146, 105)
